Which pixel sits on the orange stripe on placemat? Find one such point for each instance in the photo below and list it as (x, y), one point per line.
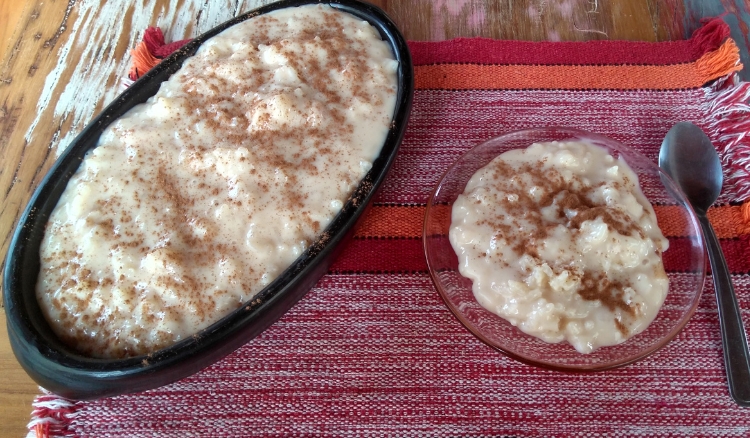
(710, 66)
(392, 221)
(727, 221)
(406, 221)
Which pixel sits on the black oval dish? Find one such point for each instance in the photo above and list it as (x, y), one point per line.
(59, 369)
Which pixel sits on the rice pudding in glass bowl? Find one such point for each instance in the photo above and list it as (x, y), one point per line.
(572, 271)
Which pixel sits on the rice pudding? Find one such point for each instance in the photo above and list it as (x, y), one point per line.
(559, 240)
(197, 199)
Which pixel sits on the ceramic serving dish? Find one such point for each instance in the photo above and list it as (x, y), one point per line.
(63, 371)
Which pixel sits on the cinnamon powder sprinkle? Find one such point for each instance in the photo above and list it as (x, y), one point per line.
(556, 231)
(573, 207)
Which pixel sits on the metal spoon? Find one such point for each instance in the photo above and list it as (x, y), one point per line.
(688, 156)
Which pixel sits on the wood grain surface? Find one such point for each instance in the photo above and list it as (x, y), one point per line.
(10, 13)
(62, 61)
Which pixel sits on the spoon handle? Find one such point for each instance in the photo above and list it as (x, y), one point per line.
(736, 356)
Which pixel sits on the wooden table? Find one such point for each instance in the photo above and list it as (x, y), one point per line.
(63, 60)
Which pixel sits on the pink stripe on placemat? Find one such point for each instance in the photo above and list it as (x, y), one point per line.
(380, 355)
(444, 124)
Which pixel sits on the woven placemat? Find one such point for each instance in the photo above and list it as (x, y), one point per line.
(372, 350)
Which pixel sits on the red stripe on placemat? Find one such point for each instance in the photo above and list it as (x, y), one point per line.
(488, 51)
(407, 255)
(381, 255)
(737, 254)
(676, 258)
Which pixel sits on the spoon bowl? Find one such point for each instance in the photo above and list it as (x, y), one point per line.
(689, 157)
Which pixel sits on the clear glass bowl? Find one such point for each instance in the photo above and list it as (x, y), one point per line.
(684, 260)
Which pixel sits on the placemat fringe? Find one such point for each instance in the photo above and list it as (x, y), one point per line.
(709, 36)
(143, 60)
(728, 113)
(52, 416)
(719, 62)
(149, 52)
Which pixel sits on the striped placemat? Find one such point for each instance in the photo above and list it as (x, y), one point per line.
(372, 350)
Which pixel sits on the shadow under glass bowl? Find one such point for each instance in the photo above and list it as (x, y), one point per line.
(60, 369)
(684, 260)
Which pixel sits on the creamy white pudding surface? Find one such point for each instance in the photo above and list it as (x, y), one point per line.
(197, 199)
(559, 240)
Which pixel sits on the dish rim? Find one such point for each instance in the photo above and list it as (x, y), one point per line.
(59, 368)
